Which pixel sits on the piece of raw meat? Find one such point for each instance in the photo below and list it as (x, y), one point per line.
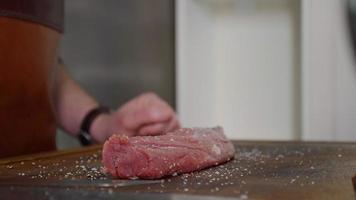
(180, 151)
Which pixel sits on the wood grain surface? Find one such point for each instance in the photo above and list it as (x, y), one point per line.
(260, 170)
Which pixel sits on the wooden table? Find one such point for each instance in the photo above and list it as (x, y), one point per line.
(261, 170)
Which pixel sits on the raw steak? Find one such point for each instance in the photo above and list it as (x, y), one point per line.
(180, 151)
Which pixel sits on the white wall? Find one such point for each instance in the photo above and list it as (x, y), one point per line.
(242, 64)
(237, 66)
(329, 73)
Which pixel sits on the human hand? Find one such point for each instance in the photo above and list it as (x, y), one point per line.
(146, 114)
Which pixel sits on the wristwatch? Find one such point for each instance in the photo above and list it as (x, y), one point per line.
(84, 136)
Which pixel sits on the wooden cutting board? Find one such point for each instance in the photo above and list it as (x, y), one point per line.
(261, 170)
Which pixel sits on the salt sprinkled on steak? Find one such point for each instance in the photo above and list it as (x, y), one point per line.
(180, 151)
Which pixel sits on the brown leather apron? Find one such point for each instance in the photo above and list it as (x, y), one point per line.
(29, 35)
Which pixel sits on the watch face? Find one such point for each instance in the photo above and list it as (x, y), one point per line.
(84, 138)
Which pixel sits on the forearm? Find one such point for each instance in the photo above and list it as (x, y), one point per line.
(146, 114)
(72, 103)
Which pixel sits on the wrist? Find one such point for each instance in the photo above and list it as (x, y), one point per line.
(96, 114)
(100, 129)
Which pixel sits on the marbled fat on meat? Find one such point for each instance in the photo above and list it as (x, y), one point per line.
(180, 151)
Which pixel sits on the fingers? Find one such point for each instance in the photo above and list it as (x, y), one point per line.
(145, 109)
(134, 121)
(147, 114)
(173, 124)
(155, 129)
(160, 128)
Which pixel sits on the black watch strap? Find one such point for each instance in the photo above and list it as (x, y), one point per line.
(84, 135)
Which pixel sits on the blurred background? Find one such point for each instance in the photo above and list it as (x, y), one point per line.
(262, 69)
